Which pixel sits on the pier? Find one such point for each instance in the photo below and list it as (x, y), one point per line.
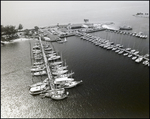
(97, 39)
(50, 77)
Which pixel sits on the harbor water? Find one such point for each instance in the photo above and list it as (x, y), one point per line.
(113, 85)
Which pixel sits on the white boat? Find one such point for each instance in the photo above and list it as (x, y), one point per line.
(53, 58)
(127, 49)
(121, 52)
(36, 46)
(38, 89)
(39, 83)
(115, 48)
(125, 54)
(38, 58)
(49, 93)
(50, 55)
(70, 84)
(64, 75)
(38, 63)
(133, 58)
(59, 68)
(117, 51)
(56, 63)
(38, 69)
(63, 80)
(60, 72)
(135, 53)
(38, 66)
(48, 49)
(40, 73)
(130, 55)
(49, 52)
(59, 96)
(146, 62)
(139, 59)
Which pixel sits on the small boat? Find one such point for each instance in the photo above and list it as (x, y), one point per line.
(127, 49)
(59, 68)
(60, 72)
(38, 89)
(121, 52)
(130, 55)
(38, 69)
(133, 58)
(56, 63)
(63, 80)
(39, 83)
(115, 48)
(38, 63)
(125, 54)
(125, 28)
(139, 59)
(38, 58)
(70, 84)
(40, 73)
(117, 51)
(49, 93)
(50, 55)
(54, 58)
(146, 62)
(38, 66)
(48, 49)
(59, 96)
(135, 53)
(64, 75)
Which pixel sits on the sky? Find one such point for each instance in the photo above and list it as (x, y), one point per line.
(41, 13)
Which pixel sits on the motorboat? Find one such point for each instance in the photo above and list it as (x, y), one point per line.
(139, 59)
(125, 54)
(146, 62)
(121, 52)
(59, 68)
(54, 58)
(49, 93)
(70, 84)
(56, 63)
(50, 52)
(38, 66)
(38, 63)
(39, 83)
(49, 55)
(130, 55)
(133, 58)
(60, 72)
(40, 73)
(117, 51)
(38, 69)
(115, 48)
(63, 80)
(48, 49)
(38, 89)
(59, 96)
(64, 75)
(135, 53)
(127, 49)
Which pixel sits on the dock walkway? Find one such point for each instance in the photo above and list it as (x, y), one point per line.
(50, 77)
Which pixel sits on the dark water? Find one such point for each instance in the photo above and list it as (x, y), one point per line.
(113, 85)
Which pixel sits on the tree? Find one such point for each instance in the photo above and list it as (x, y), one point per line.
(20, 27)
(26, 32)
(36, 28)
(9, 32)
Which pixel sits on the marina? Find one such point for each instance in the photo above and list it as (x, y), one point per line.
(94, 63)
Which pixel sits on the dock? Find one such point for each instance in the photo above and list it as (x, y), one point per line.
(50, 77)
